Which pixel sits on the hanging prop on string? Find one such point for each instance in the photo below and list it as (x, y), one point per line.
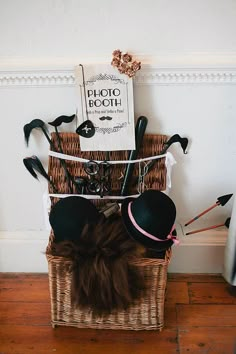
(139, 134)
(220, 201)
(105, 99)
(226, 223)
(86, 128)
(176, 138)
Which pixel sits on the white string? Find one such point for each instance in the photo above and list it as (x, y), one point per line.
(93, 196)
(112, 162)
(142, 173)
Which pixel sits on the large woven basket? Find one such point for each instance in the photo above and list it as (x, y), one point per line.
(147, 313)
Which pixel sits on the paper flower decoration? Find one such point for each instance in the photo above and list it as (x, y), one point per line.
(124, 63)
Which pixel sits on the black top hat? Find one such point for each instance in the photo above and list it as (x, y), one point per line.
(69, 216)
(149, 219)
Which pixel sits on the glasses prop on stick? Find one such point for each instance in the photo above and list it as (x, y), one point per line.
(99, 173)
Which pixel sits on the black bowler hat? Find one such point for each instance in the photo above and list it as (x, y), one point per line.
(69, 216)
(149, 219)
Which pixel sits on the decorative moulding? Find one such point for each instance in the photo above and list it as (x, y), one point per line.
(148, 75)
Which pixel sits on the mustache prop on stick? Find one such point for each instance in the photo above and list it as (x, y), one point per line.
(33, 164)
(56, 123)
(62, 119)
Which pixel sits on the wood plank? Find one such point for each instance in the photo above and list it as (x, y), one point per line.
(196, 278)
(25, 313)
(65, 340)
(170, 317)
(205, 325)
(23, 276)
(211, 293)
(206, 315)
(32, 289)
(177, 293)
(210, 340)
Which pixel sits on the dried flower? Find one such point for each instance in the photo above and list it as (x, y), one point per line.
(136, 65)
(115, 62)
(122, 68)
(124, 64)
(126, 57)
(117, 54)
(129, 72)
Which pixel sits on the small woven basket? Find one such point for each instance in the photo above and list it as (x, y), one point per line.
(147, 313)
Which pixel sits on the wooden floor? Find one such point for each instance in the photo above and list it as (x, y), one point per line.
(200, 317)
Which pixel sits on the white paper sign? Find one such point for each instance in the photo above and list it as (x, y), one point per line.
(106, 98)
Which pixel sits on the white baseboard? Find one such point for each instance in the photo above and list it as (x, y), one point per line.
(25, 252)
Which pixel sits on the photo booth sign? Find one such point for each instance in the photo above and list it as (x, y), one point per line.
(105, 97)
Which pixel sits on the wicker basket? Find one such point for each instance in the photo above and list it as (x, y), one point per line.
(148, 312)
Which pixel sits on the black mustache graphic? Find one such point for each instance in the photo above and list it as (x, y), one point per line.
(62, 119)
(105, 118)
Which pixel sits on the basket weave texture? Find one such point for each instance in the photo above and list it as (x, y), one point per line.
(147, 313)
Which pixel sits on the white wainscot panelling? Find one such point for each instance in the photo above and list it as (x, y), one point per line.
(25, 252)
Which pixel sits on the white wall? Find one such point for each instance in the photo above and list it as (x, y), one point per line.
(189, 87)
(74, 28)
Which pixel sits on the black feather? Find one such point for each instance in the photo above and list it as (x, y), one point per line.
(33, 164)
(184, 144)
(28, 164)
(35, 124)
(62, 119)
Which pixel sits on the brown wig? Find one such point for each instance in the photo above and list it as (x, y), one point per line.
(103, 278)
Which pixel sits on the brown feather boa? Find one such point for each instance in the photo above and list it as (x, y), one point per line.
(103, 280)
